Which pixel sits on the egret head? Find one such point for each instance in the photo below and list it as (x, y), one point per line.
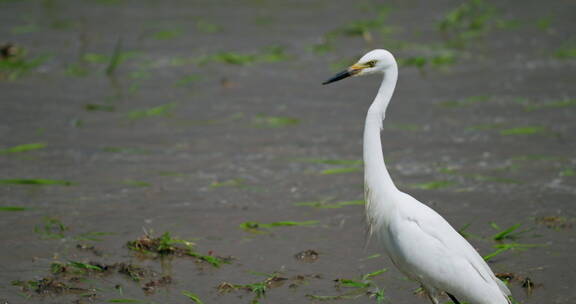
(374, 62)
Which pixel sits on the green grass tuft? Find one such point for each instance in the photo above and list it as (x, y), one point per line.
(568, 172)
(99, 107)
(167, 34)
(553, 104)
(53, 228)
(255, 226)
(23, 148)
(340, 170)
(263, 121)
(192, 297)
(325, 205)
(151, 112)
(508, 233)
(567, 51)
(39, 182)
(13, 68)
(12, 208)
(236, 182)
(463, 102)
(187, 80)
(527, 130)
(136, 183)
(208, 27)
(434, 185)
(331, 161)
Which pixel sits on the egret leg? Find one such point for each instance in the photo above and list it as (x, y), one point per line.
(433, 294)
(453, 298)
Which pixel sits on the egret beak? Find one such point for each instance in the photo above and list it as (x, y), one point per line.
(351, 71)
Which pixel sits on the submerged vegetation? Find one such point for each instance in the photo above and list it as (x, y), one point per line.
(335, 166)
(463, 102)
(563, 103)
(236, 182)
(566, 51)
(36, 182)
(355, 288)
(151, 112)
(15, 63)
(526, 130)
(258, 289)
(471, 20)
(263, 121)
(268, 54)
(323, 204)
(166, 245)
(434, 185)
(262, 227)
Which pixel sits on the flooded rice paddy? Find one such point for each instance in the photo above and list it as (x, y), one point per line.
(185, 151)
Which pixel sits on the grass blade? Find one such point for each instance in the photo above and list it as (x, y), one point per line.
(23, 148)
(12, 208)
(40, 182)
(192, 297)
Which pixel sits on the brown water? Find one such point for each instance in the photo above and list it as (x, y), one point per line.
(486, 139)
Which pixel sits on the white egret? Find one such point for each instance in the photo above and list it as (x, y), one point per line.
(419, 241)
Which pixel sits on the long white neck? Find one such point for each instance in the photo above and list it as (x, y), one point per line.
(379, 187)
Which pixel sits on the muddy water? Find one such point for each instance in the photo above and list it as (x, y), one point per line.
(175, 136)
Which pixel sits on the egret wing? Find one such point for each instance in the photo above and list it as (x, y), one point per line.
(436, 254)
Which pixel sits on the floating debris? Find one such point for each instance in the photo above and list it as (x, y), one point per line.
(89, 248)
(152, 286)
(163, 245)
(167, 245)
(50, 286)
(259, 289)
(308, 256)
(555, 222)
(134, 272)
(524, 282)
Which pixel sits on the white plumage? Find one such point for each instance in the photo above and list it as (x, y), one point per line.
(419, 241)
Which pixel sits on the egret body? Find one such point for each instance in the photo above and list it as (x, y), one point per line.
(419, 241)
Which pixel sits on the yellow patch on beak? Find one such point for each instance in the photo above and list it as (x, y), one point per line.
(357, 68)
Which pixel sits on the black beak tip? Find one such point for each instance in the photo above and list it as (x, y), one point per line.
(339, 76)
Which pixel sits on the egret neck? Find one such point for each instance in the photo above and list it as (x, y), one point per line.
(377, 181)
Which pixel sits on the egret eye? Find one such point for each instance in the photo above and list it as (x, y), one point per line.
(371, 63)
